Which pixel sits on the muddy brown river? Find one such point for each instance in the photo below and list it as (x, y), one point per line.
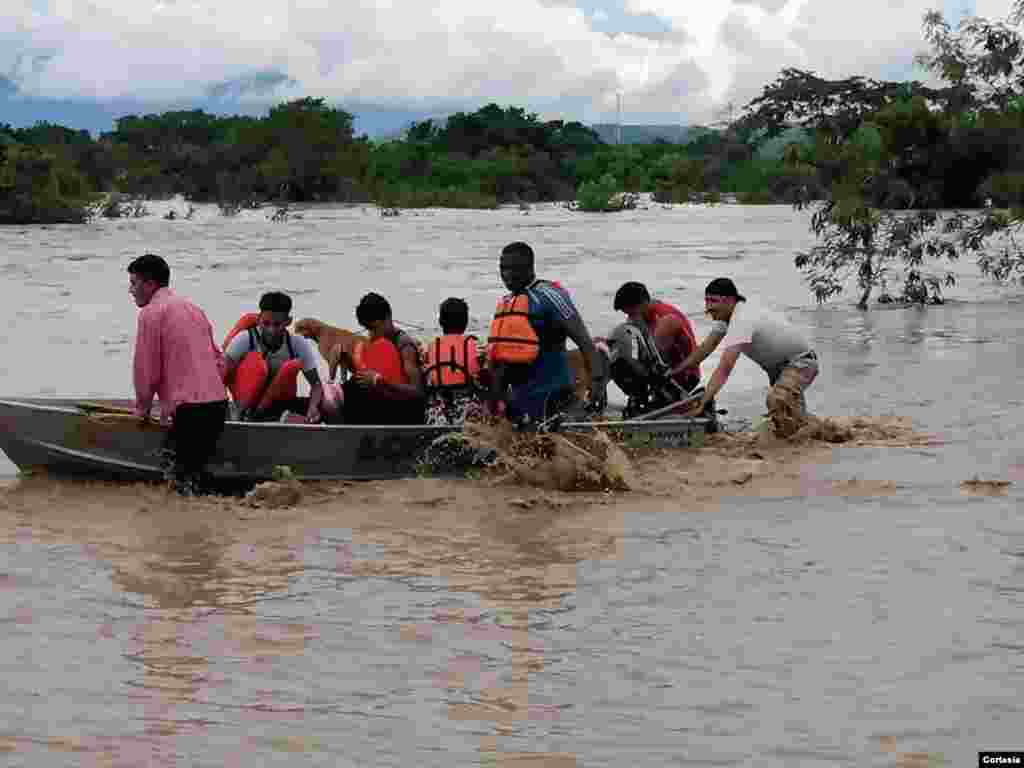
(746, 604)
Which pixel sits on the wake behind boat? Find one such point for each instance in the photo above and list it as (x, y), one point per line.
(103, 439)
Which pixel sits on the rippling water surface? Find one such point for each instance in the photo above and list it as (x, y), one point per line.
(847, 606)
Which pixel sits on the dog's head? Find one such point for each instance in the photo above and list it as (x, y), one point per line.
(308, 327)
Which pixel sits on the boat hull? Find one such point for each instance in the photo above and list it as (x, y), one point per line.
(59, 437)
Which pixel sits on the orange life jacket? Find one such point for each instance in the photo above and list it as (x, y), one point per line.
(250, 383)
(382, 355)
(512, 338)
(246, 322)
(452, 361)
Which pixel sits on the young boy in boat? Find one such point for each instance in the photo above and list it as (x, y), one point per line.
(263, 364)
(530, 376)
(387, 386)
(779, 349)
(177, 360)
(453, 368)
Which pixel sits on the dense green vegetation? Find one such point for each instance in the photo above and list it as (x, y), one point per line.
(41, 181)
(306, 150)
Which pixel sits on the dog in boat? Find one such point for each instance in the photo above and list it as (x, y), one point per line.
(336, 345)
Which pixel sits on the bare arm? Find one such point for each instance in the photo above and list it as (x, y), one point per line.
(217, 353)
(148, 363)
(316, 394)
(233, 356)
(700, 353)
(722, 372)
(577, 331)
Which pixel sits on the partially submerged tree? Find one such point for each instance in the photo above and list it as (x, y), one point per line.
(880, 146)
(37, 187)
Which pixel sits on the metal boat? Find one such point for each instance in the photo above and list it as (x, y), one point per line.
(102, 438)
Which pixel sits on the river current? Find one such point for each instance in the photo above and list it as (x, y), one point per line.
(856, 605)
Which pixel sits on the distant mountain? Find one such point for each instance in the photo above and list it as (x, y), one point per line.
(643, 134)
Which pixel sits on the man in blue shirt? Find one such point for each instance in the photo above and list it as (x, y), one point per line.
(535, 391)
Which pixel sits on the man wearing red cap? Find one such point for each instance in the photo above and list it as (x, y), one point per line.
(779, 349)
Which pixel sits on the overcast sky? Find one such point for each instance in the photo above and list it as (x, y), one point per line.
(672, 60)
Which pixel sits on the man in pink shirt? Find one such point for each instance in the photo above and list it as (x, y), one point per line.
(177, 361)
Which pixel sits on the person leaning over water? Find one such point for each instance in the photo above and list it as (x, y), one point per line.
(177, 360)
(781, 351)
(526, 346)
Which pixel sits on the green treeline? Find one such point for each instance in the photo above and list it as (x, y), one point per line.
(859, 149)
(306, 150)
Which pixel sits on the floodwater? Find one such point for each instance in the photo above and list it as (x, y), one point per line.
(743, 605)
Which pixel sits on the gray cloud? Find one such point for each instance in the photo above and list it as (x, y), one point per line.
(668, 57)
(256, 84)
(737, 34)
(839, 40)
(667, 35)
(673, 98)
(743, 37)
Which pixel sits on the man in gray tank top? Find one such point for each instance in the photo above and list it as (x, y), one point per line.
(767, 339)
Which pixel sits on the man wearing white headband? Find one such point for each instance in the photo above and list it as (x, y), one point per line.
(780, 350)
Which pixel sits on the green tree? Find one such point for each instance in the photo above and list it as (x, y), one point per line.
(596, 195)
(880, 144)
(37, 188)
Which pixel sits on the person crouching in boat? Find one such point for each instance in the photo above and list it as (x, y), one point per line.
(648, 352)
(387, 386)
(453, 369)
(177, 360)
(530, 376)
(670, 330)
(263, 365)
